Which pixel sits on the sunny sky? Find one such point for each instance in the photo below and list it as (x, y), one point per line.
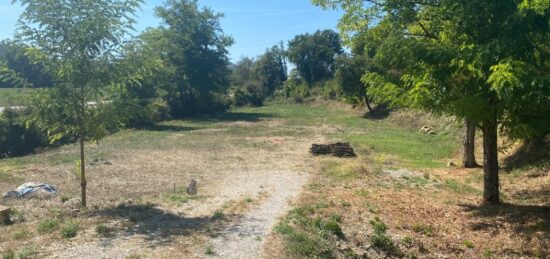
(254, 24)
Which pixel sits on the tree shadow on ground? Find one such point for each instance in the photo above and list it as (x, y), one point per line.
(380, 112)
(529, 154)
(525, 219)
(160, 226)
(234, 117)
(168, 128)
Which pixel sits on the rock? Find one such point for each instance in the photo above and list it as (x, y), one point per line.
(5, 215)
(192, 188)
(336, 149)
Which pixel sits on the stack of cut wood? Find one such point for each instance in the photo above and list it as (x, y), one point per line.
(336, 149)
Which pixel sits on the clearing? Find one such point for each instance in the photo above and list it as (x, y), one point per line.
(252, 167)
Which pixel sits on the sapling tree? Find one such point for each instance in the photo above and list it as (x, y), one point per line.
(78, 40)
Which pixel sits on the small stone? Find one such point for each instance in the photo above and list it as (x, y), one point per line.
(192, 188)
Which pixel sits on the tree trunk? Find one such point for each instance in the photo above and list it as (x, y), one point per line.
(367, 103)
(469, 159)
(82, 172)
(490, 163)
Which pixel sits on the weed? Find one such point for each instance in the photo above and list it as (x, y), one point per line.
(103, 230)
(468, 244)
(218, 215)
(23, 234)
(9, 254)
(423, 229)
(17, 216)
(209, 250)
(488, 254)
(458, 187)
(64, 199)
(407, 240)
(381, 240)
(47, 226)
(69, 230)
(179, 195)
(26, 252)
(248, 200)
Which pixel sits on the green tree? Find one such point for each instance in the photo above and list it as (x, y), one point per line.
(315, 55)
(17, 69)
(484, 61)
(351, 69)
(242, 71)
(197, 53)
(270, 69)
(78, 41)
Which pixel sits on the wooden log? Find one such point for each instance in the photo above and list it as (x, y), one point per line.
(5, 215)
(336, 149)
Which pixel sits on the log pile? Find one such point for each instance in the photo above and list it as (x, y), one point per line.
(336, 149)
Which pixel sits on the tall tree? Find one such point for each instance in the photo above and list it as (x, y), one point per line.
(270, 69)
(197, 52)
(479, 60)
(242, 71)
(78, 41)
(351, 69)
(315, 55)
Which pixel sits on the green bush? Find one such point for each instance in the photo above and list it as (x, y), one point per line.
(15, 138)
(69, 230)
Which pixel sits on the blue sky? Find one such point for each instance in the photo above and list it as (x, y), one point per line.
(254, 24)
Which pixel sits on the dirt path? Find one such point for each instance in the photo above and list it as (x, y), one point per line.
(245, 239)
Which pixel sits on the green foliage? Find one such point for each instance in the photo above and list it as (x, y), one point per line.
(18, 69)
(15, 138)
(69, 230)
(209, 250)
(381, 240)
(195, 51)
(315, 55)
(47, 226)
(103, 230)
(218, 215)
(310, 235)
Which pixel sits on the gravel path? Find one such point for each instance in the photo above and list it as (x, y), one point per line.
(246, 238)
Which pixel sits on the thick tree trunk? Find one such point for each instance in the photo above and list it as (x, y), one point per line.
(82, 172)
(469, 159)
(490, 163)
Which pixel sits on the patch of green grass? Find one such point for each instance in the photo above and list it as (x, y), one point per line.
(179, 196)
(416, 181)
(459, 187)
(69, 230)
(24, 253)
(468, 244)
(103, 230)
(407, 240)
(209, 250)
(309, 234)
(218, 215)
(22, 234)
(380, 239)
(47, 226)
(423, 229)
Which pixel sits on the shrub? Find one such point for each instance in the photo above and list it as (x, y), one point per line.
(103, 230)
(69, 230)
(15, 138)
